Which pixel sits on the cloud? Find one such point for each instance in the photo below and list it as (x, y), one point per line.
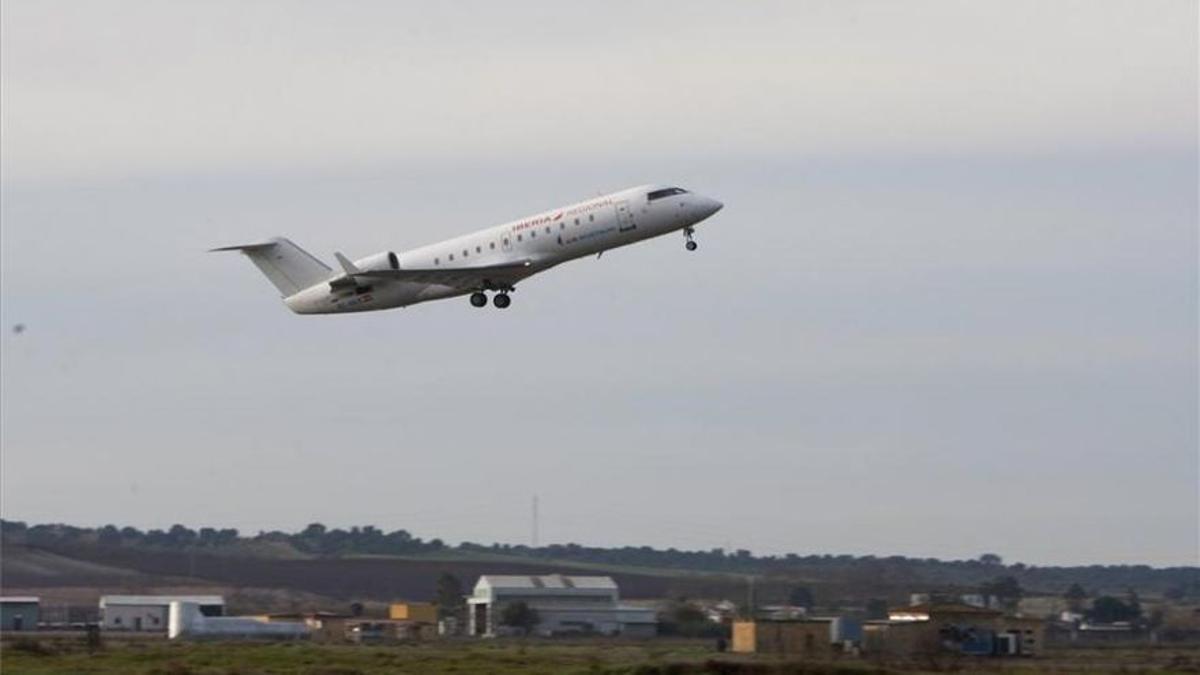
(131, 87)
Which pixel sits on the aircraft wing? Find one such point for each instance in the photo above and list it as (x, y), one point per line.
(459, 277)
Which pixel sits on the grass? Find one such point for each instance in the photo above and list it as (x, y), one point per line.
(317, 659)
(656, 657)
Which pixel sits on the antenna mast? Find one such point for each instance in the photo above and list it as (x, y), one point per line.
(534, 539)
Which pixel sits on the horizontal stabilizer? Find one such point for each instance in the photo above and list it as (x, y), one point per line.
(244, 247)
(346, 264)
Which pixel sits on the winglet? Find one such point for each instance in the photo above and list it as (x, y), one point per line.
(351, 270)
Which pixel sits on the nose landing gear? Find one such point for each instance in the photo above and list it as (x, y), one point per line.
(688, 232)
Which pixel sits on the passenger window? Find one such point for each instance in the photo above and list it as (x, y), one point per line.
(437, 261)
(532, 234)
(591, 218)
(492, 246)
(520, 237)
(506, 241)
(479, 249)
(465, 254)
(547, 229)
(452, 256)
(562, 226)
(576, 221)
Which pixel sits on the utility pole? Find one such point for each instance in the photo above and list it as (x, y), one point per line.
(534, 539)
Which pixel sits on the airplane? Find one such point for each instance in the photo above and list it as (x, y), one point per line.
(491, 260)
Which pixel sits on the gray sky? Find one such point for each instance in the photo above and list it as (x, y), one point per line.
(950, 306)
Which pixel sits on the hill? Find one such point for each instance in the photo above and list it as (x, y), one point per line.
(367, 564)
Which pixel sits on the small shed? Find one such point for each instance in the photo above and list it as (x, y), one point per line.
(425, 612)
(19, 613)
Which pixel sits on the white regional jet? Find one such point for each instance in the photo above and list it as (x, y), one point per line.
(494, 259)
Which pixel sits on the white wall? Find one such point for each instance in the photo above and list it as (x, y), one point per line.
(125, 617)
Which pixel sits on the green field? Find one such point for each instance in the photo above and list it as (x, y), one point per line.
(549, 657)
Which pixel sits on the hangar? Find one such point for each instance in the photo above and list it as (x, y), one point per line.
(150, 612)
(564, 604)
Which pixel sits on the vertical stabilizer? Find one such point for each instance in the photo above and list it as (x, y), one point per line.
(289, 267)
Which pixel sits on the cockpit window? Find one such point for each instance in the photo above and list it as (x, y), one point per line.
(665, 192)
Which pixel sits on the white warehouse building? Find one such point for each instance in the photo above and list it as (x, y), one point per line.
(149, 613)
(564, 604)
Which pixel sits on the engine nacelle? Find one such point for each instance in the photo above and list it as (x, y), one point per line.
(385, 260)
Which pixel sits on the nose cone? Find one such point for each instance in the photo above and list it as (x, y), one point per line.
(709, 206)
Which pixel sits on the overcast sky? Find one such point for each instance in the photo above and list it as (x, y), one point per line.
(950, 306)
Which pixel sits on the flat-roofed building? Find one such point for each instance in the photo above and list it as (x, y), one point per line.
(149, 613)
(19, 612)
(953, 628)
(798, 637)
(564, 605)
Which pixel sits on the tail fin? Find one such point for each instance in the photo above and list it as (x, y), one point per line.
(289, 267)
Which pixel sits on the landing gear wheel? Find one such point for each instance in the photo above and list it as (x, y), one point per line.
(687, 234)
(501, 300)
(478, 300)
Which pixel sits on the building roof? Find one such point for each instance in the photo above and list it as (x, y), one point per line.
(553, 581)
(946, 608)
(309, 615)
(159, 600)
(558, 608)
(890, 624)
(20, 599)
(1117, 627)
(812, 620)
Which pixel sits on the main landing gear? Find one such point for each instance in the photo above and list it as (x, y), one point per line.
(688, 232)
(500, 300)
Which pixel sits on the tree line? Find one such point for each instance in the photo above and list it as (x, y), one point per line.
(315, 539)
(853, 571)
